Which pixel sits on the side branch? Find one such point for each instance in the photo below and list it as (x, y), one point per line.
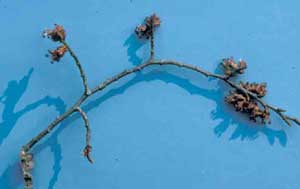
(78, 64)
(287, 119)
(152, 43)
(58, 34)
(88, 147)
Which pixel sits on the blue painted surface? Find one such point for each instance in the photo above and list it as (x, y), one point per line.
(164, 127)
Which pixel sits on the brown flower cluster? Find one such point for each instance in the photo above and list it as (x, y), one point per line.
(56, 34)
(58, 53)
(145, 30)
(257, 88)
(245, 104)
(232, 68)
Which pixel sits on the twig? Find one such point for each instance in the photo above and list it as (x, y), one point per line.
(152, 43)
(88, 147)
(78, 64)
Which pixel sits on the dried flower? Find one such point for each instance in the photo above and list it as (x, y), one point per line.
(247, 105)
(58, 53)
(231, 68)
(56, 34)
(86, 152)
(145, 30)
(153, 20)
(257, 88)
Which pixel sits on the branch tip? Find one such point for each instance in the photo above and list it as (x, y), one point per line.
(88, 148)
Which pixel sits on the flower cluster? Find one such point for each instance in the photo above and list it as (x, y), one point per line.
(245, 104)
(56, 34)
(232, 68)
(58, 53)
(257, 88)
(145, 30)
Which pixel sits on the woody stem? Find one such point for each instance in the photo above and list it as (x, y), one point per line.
(152, 43)
(87, 91)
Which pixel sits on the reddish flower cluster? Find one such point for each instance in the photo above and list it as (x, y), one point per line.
(58, 53)
(145, 30)
(56, 34)
(244, 104)
(257, 88)
(232, 68)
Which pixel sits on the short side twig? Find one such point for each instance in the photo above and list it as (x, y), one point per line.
(152, 43)
(78, 64)
(88, 147)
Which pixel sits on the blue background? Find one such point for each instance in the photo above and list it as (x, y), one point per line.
(164, 127)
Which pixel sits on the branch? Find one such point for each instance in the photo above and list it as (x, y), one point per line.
(78, 64)
(142, 31)
(138, 68)
(279, 111)
(88, 147)
(124, 73)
